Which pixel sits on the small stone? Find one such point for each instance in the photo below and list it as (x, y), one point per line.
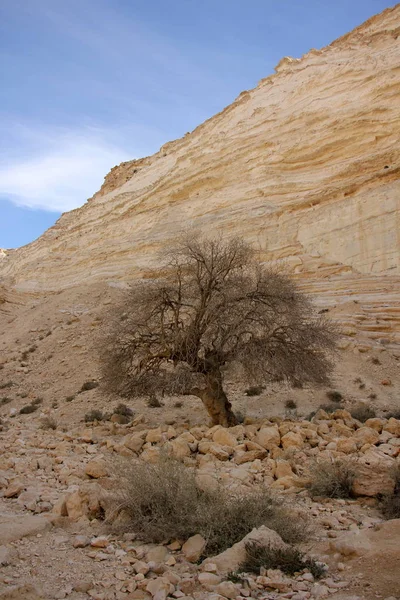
(194, 547)
(100, 542)
(81, 541)
(96, 469)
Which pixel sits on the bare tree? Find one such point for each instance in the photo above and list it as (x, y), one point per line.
(217, 306)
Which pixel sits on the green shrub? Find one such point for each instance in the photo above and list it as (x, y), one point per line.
(334, 395)
(332, 479)
(289, 560)
(363, 412)
(163, 501)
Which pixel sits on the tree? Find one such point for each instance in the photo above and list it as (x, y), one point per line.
(217, 307)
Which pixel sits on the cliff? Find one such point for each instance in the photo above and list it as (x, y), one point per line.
(306, 166)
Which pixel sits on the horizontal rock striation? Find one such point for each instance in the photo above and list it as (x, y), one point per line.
(306, 166)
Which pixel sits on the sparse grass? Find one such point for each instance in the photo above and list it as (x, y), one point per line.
(290, 404)
(358, 380)
(37, 401)
(254, 390)
(363, 412)
(88, 385)
(94, 415)
(332, 479)
(154, 402)
(372, 396)
(362, 386)
(375, 360)
(5, 400)
(390, 505)
(163, 501)
(48, 423)
(29, 408)
(6, 385)
(290, 560)
(334, 395)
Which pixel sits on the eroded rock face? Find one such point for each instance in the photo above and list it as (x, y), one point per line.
(308, 157)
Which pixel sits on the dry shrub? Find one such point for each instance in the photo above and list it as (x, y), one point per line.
(29, 408)
(255, 390)
(332, 479)
(289, 560)
(163, 501)
(334, 395)
(94, 415)
(330, 408)
(390, 505)
(88, 385)
(123, 410)
(48, 423)
(363, 412)
(5, 385)
(154, 402)
(290, 404)
(5, 400)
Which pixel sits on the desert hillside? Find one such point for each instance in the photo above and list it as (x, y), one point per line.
(306, 166)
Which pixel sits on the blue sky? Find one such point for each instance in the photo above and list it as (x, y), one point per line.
(86, 84)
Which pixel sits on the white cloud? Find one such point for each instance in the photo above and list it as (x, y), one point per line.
(61, 173)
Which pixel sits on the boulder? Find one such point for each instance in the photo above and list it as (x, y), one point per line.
(292, 440)
(15, 527)
(268, 437)
(96, 469)
(372, 480)
(224, 437)
(366, 435)
(194, 547)
(135, 441)
(233, 557)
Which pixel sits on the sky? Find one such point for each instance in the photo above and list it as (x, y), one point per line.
(87, 84)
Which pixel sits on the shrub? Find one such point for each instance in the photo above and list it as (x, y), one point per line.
(5, 385)
(330, 408)
(375, 360)
(163, 501)
(37, 401)
(178, 404)
(48, 423)
(372, 396)
(123, 410)
(255, 390)
(154, 402)
(332, 479)
(289, 560)
(29, 408)
(363, 412)
(290, 404)
(390, 505)
(394, 414)
(334, 395)
(70, 398)
(89, 385)
(94, 415)
(5, 400)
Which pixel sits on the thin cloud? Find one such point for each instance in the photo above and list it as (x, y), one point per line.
(63, 175)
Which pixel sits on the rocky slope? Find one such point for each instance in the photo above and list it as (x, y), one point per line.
(306, 166)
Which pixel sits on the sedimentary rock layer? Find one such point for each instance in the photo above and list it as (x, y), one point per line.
(306, 166)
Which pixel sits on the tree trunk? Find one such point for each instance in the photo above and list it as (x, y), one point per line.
(216, 402)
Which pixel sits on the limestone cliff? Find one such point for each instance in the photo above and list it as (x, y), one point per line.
(306, 166)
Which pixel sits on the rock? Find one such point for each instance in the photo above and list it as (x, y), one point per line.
(15, 527)
(194, 547)
(100, 542)
(375, 423)
(81, 541)
(346, 445)
(158, 554)
(227, 589)
(233, 557)
(135, 441)
(154, 436)
(7, 556)
(283, 469)
(393, 427)
(224, 437)
(366, 435)
(180, 448)
(268, 437)
(292, 440)
(75, 505)
(14, 489)
(96, 469)
(160, 588)
(209, 580)
(372, 480)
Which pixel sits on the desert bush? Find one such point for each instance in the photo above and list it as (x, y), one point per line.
(48, 423)
(154, 402)
(334, 395)
(178, 404)
(29, 408)
(330, 408)
(332, 479)
(88, 385)
(254, 390)
(290, 560)
(372, 396)
(37, 401)
(363, 412)
(5, 400)
(70, 398)
(375, 360)
(393, 414)
(123, 410)
(163, 501)
(390, 505)
(290, 404)
(94, 415)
